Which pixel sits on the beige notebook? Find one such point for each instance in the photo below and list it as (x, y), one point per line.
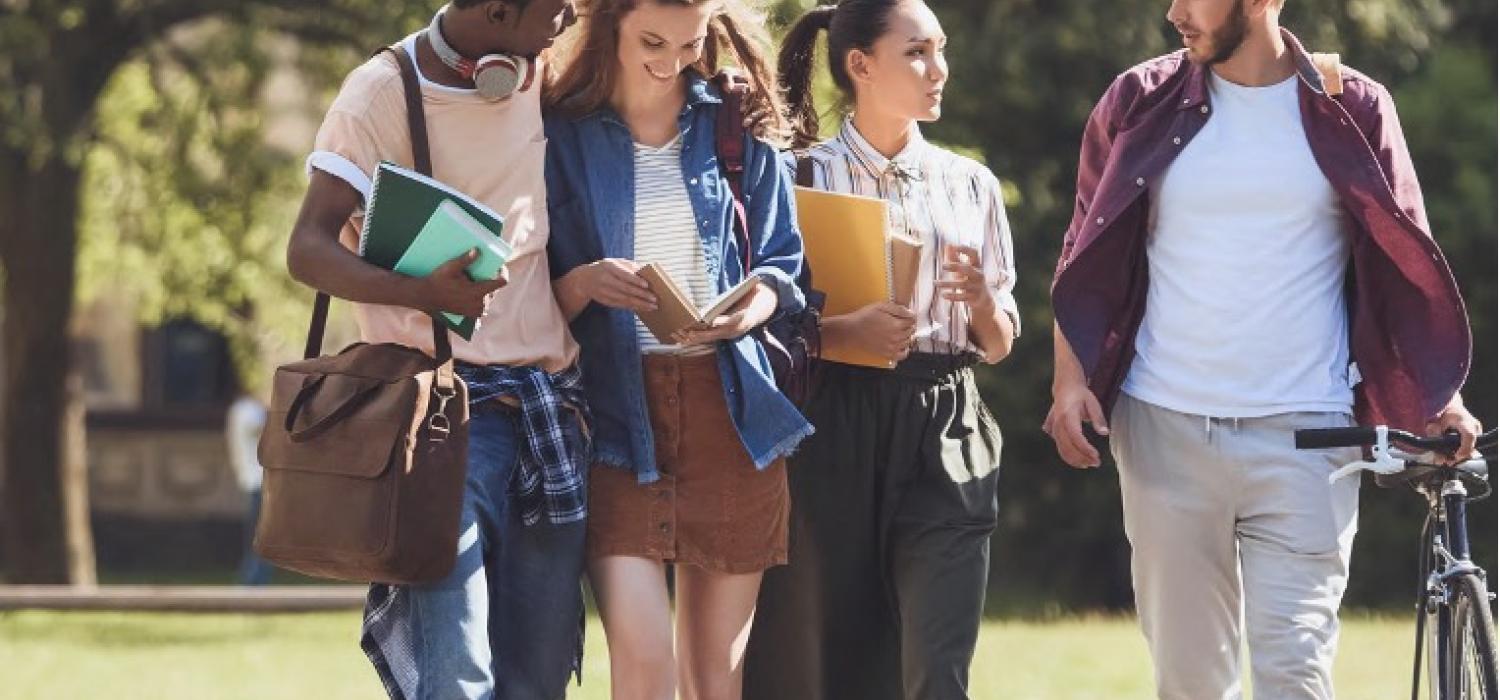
(906, 262)
(675, 310)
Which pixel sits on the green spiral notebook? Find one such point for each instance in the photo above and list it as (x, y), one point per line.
(414, 224)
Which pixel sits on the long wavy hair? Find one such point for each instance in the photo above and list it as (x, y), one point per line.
(588, 68)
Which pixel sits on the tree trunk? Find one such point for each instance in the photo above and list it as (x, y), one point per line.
(44, 514)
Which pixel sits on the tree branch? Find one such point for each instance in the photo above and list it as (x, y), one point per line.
(156, 18)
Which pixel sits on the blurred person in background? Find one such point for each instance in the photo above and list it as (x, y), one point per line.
(243, 424)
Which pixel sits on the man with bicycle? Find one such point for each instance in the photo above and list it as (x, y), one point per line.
(1249, 255)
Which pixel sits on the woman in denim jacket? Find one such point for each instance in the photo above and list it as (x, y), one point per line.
(689, 435)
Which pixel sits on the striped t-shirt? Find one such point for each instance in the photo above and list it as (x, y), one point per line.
(666, 232)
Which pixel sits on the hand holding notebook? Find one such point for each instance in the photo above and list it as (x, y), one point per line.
(453, 292)
(856, 260)
(415, 224)
(450, 233)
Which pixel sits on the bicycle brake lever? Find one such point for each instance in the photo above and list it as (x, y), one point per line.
(1389, 466)
(1381, 461)
(1346, 470)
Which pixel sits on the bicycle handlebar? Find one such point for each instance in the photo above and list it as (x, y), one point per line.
(1323, 438)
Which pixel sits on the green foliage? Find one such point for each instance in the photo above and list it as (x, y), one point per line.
(195, 224)
(186, 209)
(1447, 110)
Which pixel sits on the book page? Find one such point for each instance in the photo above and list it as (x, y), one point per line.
(727, 300)
(674, 311)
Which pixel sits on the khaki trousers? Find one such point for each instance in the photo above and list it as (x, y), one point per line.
(1235, 533)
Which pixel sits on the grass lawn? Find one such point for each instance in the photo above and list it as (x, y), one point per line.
(315, 656)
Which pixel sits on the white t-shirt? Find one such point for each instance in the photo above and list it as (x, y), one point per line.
(1245, 313)
(244, 423)
(666, 232)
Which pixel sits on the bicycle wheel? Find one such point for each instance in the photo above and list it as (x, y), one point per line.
(1471, 644)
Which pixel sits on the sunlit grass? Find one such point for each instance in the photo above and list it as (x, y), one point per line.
(316, 656)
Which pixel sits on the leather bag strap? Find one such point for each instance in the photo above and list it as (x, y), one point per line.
(416, 120)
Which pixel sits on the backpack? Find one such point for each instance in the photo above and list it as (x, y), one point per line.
(791, 341)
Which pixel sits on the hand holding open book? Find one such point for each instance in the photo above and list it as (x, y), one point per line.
(747, 314)
(676, 320)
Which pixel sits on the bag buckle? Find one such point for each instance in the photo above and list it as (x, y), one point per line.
(438, 425)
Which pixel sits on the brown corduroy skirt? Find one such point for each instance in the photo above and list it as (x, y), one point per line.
(711, 508)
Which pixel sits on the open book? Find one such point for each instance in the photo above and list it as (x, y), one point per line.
(675, 310)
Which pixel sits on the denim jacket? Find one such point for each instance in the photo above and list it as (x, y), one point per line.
(591, 207)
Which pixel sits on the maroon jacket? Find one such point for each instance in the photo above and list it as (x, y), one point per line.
(1408, 330)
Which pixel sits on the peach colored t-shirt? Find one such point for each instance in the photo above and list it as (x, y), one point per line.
(491, 151)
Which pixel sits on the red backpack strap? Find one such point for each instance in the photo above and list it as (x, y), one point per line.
(729, 137)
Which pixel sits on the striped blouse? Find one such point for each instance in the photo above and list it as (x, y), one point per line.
(666, 233)
(940, 198)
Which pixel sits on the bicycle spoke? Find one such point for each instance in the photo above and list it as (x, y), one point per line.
(1474, 686)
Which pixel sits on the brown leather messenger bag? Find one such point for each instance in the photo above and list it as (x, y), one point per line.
(365, 452)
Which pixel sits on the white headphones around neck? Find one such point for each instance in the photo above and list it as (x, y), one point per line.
(496, 76)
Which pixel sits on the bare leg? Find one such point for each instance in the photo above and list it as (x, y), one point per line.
(637, 614)
(714, 612)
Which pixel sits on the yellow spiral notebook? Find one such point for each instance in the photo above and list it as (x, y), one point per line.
(855, 259)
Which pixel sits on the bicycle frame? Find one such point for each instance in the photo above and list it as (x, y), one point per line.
(1450, 584)
(1448, 557)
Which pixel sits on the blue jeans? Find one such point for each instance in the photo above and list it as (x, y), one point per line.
(506, 623)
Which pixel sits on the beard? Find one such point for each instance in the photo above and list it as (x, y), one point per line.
(1227, 39)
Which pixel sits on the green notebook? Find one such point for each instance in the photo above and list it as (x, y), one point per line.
(414, 224)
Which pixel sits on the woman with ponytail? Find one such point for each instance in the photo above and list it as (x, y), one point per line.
(893, 500)
(690, 435)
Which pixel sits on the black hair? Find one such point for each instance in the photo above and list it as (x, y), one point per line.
(466, 4)
(851, 24)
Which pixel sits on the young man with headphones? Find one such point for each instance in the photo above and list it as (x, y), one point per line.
(505, 622)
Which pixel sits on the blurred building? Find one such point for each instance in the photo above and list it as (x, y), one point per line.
(162, 492)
